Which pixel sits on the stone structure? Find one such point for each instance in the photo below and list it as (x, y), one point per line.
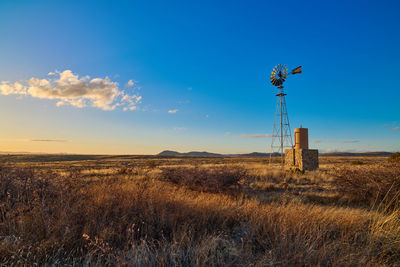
(304, 159)
(300, 156)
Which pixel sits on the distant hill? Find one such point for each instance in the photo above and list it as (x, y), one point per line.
(170, 153)
(254, 154)
(361, 154)
(192, 153)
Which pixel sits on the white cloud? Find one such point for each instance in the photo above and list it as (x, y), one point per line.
(172, 111)
(130, 83)
(6, 88)
(70, 89)
(227, 133)
(396, 128)
(129, 108)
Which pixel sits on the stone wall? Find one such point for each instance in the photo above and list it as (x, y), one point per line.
(290, 158)
(304, 159)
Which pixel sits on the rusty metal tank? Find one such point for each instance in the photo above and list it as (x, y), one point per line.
(301, 138)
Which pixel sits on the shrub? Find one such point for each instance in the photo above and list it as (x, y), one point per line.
(216, 179)
(395, 157)
(357, 162)
(151, 164)
(369, 185)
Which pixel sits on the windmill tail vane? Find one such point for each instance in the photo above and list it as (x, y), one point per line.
(297, 70)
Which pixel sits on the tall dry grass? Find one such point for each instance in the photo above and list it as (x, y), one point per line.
(148, 219)
(210, 179)
(376, 185)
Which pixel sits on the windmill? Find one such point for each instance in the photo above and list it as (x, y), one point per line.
(281, 135)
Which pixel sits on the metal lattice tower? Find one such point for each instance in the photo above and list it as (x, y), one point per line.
(281, 135)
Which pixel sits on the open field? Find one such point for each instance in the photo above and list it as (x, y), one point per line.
(154, 211)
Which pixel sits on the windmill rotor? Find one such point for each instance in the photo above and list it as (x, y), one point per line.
(279, 74)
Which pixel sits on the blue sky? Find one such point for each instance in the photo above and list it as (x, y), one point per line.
(200, 73)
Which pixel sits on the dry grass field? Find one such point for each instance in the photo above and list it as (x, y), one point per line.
(149, 211)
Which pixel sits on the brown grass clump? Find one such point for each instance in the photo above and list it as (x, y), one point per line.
(357, 162)
(173, 216)
(212, 179)
(395, 158)
(371, 185)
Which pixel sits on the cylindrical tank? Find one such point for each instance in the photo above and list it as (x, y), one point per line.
(301, 138)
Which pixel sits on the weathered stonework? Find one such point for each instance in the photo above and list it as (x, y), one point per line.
(304, 159)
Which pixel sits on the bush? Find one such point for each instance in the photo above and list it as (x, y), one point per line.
(369, 185)
(357, 162)
(395, 157)
(215, 179)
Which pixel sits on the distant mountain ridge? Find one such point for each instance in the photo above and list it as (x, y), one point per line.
(170, 153)
(359, 154)
(192, 153)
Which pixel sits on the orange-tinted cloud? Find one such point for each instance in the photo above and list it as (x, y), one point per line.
(70, 89)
